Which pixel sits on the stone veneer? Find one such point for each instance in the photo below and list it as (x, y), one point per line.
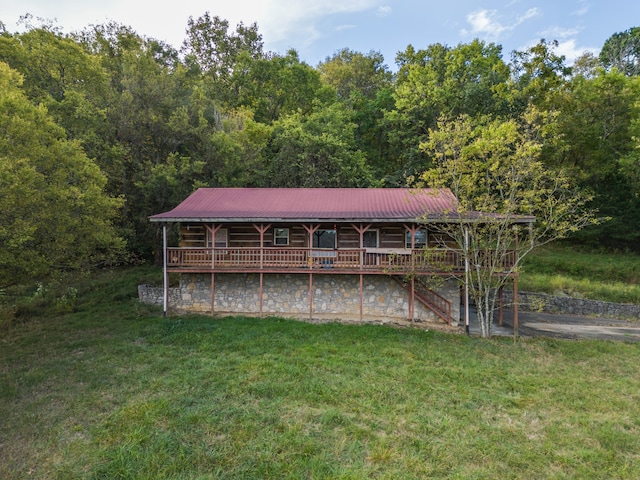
(334, 296)
(541, 302)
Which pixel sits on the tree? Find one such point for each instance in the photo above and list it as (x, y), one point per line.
(55, 215)
(622, 51)
(442, 80)
(215, 51)
(316, 150)
(276, 85)
(65, 78)
(494, 170)
(597, 121)
(352, 72)
(364, 84)
(539, 75)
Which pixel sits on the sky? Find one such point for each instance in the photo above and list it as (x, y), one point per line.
(319, 28)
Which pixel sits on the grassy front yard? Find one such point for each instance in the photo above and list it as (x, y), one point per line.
(115, 391)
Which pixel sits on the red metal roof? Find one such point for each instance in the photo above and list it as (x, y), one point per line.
(305, 204)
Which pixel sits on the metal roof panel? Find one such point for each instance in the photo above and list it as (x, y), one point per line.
(295, 204)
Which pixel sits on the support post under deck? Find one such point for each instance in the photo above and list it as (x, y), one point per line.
(165, 272)
(213, 292)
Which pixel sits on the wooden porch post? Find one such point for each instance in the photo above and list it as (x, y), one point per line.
(412, 230)
(311, 229)
(213, 292)
(213, 230)
(412, 305)
(165, 273)
(515, 305)
(500, 304)
(466, 280)
(261, 230)
(310, 296)
(361, 229)
(361, 295)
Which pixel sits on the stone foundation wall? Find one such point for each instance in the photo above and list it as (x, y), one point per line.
(540, 302)
(334, 296)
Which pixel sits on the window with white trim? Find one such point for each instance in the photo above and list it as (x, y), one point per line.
(222, 236)
(281, 236)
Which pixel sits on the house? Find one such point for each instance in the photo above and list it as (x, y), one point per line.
(314, 253)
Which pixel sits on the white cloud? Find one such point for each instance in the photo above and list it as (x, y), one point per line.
(483, 22)
(282, 19)
(291, 22)
(531, 13)
(282, 23)
(571, 51)
(583, 8)
(558, 33)
(384, 10)
(340, 28)
(486, 23)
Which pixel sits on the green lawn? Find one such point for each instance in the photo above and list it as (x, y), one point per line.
(597, 276)
(114, 390)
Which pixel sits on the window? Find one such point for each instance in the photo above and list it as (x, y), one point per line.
(281, 236)
(420, 240)
(324, 239)
(370, 239)
(221, 238)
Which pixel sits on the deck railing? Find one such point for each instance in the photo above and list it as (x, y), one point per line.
(275, 259)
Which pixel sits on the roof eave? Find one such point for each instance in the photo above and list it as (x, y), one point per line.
(434, 219)
(282, 220)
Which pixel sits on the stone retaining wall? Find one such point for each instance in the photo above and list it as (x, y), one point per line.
(540, 302)
(334, 296)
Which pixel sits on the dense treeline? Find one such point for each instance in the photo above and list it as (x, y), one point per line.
(144, 124)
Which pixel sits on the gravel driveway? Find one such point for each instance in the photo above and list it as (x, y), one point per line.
(534, 324)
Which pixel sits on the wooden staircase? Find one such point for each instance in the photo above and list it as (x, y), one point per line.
(430, 299)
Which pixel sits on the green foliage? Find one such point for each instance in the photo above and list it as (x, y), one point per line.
(493, 168)
(317, 150)
(622, 52)
(216, 52)
(365, 86)
(227, 113)
(597, 122)
(442, 82)
(55, 214)
(353, 74)
(539, 76)
(276, 85)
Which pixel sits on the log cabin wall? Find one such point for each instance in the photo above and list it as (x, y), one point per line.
(192, 235)
(348, 237)
(245, 235)
(440, 240)
(392, 237)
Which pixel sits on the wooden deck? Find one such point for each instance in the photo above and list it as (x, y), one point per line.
(269, 259)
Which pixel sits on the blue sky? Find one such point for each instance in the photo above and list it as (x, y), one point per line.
(318, 28)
